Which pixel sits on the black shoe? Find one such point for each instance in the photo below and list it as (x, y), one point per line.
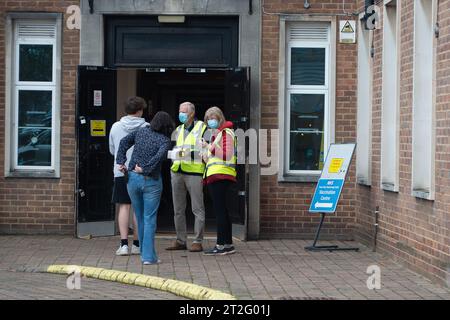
(214, 251)
(229, 250)
(219, 252)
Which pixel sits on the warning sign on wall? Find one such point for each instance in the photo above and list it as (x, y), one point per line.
(347, 31)
(98, 128)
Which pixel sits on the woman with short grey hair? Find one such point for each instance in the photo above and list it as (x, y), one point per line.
(220, 174)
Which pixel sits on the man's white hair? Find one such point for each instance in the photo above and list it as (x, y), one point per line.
(190, 106)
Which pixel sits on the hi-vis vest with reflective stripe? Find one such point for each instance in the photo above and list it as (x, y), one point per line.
(216, 165)
(190, 142)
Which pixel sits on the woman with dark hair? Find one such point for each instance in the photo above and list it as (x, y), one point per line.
(144, 179)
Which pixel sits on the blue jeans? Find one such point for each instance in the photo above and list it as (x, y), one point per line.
(145, 194)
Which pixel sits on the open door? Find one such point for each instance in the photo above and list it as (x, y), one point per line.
(237, 109)
(96, 113)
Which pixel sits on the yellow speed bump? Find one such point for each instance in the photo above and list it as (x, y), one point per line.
(179, 288)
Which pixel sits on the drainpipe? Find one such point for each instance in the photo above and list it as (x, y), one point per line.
(91, 6)
(436, 27)
(377, 212)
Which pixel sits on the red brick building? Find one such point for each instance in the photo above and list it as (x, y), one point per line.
(415, 214)
(388, 92)
(39, 205)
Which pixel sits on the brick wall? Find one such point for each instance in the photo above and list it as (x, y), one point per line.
(42, 205)
(284, 206)
(414, 231)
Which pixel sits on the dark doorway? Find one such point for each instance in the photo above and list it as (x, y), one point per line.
(166, 91)
(228, 89)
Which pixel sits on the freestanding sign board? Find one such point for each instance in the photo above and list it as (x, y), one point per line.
(331, 181)
(329, 188)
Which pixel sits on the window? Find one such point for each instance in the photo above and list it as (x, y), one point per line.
(34, 97)
(390, 98)
(307, 102)
(423, 140)
(364, 113)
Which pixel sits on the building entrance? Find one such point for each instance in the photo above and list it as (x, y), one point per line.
(101, 92)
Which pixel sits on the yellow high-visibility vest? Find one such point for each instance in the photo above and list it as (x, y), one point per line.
(216, 165)
(190, 143)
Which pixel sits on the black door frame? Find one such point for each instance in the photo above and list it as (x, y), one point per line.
(240, 230)
(224, 28)
(94, 227)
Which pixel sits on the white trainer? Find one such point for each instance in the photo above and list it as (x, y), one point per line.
(122, 251)
(151, 263)
(135, 249)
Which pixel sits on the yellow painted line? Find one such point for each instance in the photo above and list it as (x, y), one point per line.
(179, 288)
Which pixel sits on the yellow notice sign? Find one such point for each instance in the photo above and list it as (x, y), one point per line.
(347, 28)
(335, 165)
(98, 128)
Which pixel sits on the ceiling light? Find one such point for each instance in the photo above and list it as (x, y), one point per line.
(171, 19)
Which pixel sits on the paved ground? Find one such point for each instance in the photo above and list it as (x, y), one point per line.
(276, 269)
(43, 286)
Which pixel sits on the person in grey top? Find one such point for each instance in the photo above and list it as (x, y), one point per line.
(134, 108)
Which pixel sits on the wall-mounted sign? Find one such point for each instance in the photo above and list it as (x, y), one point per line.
(98, 128)
(347, 31)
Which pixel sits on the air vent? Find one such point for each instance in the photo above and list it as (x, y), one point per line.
(309, 32)
(36, 30)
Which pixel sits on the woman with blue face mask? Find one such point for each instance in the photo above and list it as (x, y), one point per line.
(220, 174)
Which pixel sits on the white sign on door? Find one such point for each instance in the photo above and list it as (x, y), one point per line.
(97, 98)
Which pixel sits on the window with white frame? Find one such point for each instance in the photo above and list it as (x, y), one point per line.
(307, 116)
(423, 136)
(33, 95)
(364, 113)
(390, 97)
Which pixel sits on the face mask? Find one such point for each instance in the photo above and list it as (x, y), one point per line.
(183, 117)
(213, 124)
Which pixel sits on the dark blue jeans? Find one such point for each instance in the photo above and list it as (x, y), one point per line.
(145, 193)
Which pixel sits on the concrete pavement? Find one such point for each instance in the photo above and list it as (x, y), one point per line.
(266, 269)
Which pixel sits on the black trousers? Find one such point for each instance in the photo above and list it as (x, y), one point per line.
(217, 191)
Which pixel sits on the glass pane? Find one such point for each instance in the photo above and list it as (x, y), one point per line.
(35, 147)
(35, 128)
(35, 108)
(307, 132)
(36, 62)
(308, 66)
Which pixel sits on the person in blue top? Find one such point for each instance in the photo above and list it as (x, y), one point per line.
(151, 145)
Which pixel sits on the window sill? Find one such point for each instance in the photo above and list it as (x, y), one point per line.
(306, 178)
(50, 174)
(389, 187)
(364, 182)
(423, 194)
